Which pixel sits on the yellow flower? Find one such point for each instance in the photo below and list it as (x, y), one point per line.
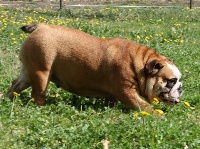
(135, 115)
(177, 25)
(166, 40)
(181, 41)
(155, 101)
(147, 39)
(103, 37)
(145, 113)
(159, 111)
(187, 104)
(32, 99)
(107, 8)
(138, 37)
(15, 94)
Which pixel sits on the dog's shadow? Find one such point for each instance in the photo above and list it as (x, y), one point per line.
(59, 96)
(84, 103)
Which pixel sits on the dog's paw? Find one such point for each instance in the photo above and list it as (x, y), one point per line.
(38, 102)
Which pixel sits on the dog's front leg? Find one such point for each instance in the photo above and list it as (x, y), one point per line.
(131, 98)
(39, 81)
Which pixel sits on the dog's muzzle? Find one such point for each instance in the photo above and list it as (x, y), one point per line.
(163, 96)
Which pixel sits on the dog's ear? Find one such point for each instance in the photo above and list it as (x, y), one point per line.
(153, 67)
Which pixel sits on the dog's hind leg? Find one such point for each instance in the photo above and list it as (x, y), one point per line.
(18, 85)
(39, 82)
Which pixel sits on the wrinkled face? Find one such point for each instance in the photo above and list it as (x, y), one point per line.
(165, 84)
(168, 86)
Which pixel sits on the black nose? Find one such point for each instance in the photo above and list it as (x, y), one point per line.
(180, 89)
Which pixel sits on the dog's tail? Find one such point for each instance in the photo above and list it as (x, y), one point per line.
(29, 28)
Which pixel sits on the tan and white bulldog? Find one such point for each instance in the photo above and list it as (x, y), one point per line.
(113, 68)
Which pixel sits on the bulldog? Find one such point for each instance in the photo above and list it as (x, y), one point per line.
(112, 68)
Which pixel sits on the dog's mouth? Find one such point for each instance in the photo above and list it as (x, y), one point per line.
(166, 101)
(170, 102)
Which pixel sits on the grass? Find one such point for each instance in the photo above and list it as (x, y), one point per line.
(70, 121)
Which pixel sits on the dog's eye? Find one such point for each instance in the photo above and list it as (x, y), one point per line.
(174, 80)
(171, 82)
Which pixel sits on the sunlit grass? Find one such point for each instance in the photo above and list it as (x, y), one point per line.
(70, 121)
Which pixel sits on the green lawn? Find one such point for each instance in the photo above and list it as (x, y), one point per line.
(74, 122)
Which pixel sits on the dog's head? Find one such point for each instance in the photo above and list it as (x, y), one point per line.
(163, 81)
